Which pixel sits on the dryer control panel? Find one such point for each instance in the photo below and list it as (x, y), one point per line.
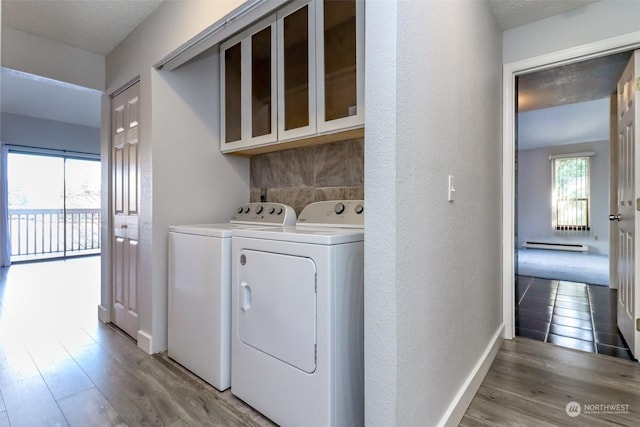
(334, 213)
(271, 214)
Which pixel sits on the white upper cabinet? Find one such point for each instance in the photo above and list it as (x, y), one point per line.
(248, 88)
(297, 75)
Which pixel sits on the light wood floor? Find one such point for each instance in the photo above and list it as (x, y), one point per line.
(59, 366)
(531, 383)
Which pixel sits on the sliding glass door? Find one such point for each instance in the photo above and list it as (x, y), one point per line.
(54, 206)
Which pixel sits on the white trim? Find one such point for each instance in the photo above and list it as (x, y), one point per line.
(580, 53)
(144, 342)
(463, 398)
(103, 314)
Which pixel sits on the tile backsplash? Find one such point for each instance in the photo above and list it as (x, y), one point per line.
(304, 175)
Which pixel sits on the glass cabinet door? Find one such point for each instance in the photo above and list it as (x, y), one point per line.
(296, 77)
(340, 63)
(261, 47)
(261, 96)
(232, 93)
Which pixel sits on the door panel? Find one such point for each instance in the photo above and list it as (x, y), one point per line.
(132, 292)
(629, 222)
(277, 306)
(126, 182)
(119, 268)
(132, 172)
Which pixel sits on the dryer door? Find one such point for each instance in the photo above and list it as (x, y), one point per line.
(277, 306)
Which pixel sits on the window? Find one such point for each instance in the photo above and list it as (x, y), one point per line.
(54, 204)
(570, 192)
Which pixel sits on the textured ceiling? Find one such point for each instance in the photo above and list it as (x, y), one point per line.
(93, 25)
(513, 13)
(99, 25)
(568, 84)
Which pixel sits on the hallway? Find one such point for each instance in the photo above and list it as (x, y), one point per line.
(60, 366)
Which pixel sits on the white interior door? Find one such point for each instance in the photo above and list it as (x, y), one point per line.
(613, 191)
(125, 173)
(627, 217)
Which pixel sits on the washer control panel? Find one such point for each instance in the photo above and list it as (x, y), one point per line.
(276, 214)
(334, 213)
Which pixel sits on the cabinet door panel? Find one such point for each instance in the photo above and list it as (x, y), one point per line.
(340, 64)
(340, 95)
(261, 95)
(296, 69)
(232, 108)
(296, 72)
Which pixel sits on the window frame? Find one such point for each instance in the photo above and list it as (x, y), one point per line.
(556, 224)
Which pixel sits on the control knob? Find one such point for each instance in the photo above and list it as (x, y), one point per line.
(359, 209)
(339, 208)
(259, 209)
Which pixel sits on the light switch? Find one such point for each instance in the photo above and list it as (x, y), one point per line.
(450, 189)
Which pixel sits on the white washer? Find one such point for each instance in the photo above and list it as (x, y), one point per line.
(199, 323)
(297, 317)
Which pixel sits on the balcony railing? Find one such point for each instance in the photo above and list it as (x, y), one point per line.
(53, 233)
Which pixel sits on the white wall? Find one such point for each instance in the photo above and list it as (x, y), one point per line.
(42, 57)
(534, 197)
(185, 178)
(594, 22)
(432, 267)
(42, 133)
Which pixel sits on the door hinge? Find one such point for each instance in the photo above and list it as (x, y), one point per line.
(638, 325)
(638, 84)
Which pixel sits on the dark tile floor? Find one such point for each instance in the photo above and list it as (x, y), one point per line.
(574, 315)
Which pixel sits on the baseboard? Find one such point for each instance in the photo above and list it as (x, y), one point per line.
(103, 314)
(144, 342)
(461, 402)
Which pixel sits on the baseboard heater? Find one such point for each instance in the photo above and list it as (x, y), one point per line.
(557, 246)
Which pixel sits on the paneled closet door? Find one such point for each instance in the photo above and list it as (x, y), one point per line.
(296, 71)
(125, 175)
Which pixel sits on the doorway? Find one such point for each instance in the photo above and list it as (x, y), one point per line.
(562, 205)
(54, 204)
(511, 71)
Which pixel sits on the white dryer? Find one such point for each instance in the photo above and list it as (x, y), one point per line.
(298, 315)
(199, 321)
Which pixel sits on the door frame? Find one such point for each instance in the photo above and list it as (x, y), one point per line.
(510, 72)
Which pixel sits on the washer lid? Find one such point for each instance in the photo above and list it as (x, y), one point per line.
(213, 230)
(305, 234)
